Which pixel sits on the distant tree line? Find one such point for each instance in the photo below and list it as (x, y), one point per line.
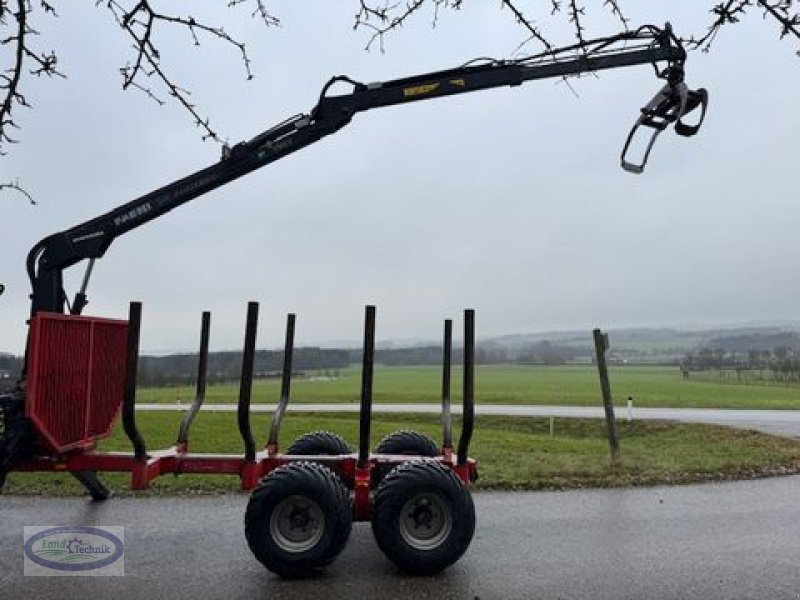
(10, 368)
(181, 369)
(227, 366)
(547, 353)
(432, 355)
(10, 363)
(540, 353)
(758, 362)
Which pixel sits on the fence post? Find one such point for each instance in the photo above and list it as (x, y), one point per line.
(601, 346)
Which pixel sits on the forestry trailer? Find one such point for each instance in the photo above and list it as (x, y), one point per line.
(79, 372)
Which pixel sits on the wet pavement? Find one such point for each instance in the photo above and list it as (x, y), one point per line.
(728, 540)
(777, 422)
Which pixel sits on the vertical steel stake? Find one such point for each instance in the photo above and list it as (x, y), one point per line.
(246, 385)
(200, 390)
(447, 417)
(468, 423)
(286, 384)
(366, 386)
(129, 393)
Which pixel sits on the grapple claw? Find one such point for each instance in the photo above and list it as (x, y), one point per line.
(674, 101)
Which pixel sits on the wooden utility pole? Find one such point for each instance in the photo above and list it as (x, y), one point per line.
(601, 346)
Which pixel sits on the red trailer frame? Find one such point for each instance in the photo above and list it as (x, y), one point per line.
(82, 375)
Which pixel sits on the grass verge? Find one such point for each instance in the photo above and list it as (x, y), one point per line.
(515, 453)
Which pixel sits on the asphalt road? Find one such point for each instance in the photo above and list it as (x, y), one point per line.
(778, 422)
(730, 540)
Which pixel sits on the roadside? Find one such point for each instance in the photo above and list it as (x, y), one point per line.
(515, 452)
(776, 422)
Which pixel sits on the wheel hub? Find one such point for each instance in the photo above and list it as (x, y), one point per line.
(297, 524)
(425, 521)
(422, 514)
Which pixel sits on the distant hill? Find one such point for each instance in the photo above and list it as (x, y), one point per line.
(760, 341)
(645, 342)
(646, 345)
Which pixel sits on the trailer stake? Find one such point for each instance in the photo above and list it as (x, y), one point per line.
(286, 385)
(447, 417)
(129, 393)
(468, 422)
(200, 393)
(246, 384)
(367, 364)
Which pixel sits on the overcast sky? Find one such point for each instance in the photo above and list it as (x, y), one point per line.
(509, 201)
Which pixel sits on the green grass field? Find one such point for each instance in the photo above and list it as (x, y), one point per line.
(514, 453)
(567, 385)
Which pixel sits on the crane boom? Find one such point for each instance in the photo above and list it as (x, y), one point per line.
(90, 240)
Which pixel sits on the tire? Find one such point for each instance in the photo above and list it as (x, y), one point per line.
(319, 443)
(4, 433)
(322, 443)
(298, 519)
(15, 434)
(409, 443)
(423, 518)
(405, 442)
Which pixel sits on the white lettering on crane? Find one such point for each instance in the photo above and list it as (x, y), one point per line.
(88, 236)
(133, 214)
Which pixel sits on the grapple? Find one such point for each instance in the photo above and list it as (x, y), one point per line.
(670, 105)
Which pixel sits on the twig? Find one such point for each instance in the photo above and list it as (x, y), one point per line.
(23, 54)
(731, 12)
(140, 22)
(383, 15)
(15, 186)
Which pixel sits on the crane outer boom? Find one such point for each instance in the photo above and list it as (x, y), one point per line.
(90, 240)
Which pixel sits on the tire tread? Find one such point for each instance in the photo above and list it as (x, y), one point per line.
(282, 482)
(391, 495)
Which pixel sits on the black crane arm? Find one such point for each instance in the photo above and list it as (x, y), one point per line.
(90, 240)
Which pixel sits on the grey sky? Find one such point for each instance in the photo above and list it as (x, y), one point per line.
(509, 201)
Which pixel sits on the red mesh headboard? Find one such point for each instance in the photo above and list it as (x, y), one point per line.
(75, 379)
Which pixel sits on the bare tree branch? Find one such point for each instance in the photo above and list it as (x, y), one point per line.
(613, 6)
(140, 21)
(259, 11)
(383, 15)
(526, 23)
(16, 187)
(14, 15)
(576, 12)
(780, 11)
(730, 12)
(147, 73)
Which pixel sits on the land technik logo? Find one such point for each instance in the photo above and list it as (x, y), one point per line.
(74, 550)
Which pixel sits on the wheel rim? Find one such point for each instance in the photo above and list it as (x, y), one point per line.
(425, 521)
(296, 524)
